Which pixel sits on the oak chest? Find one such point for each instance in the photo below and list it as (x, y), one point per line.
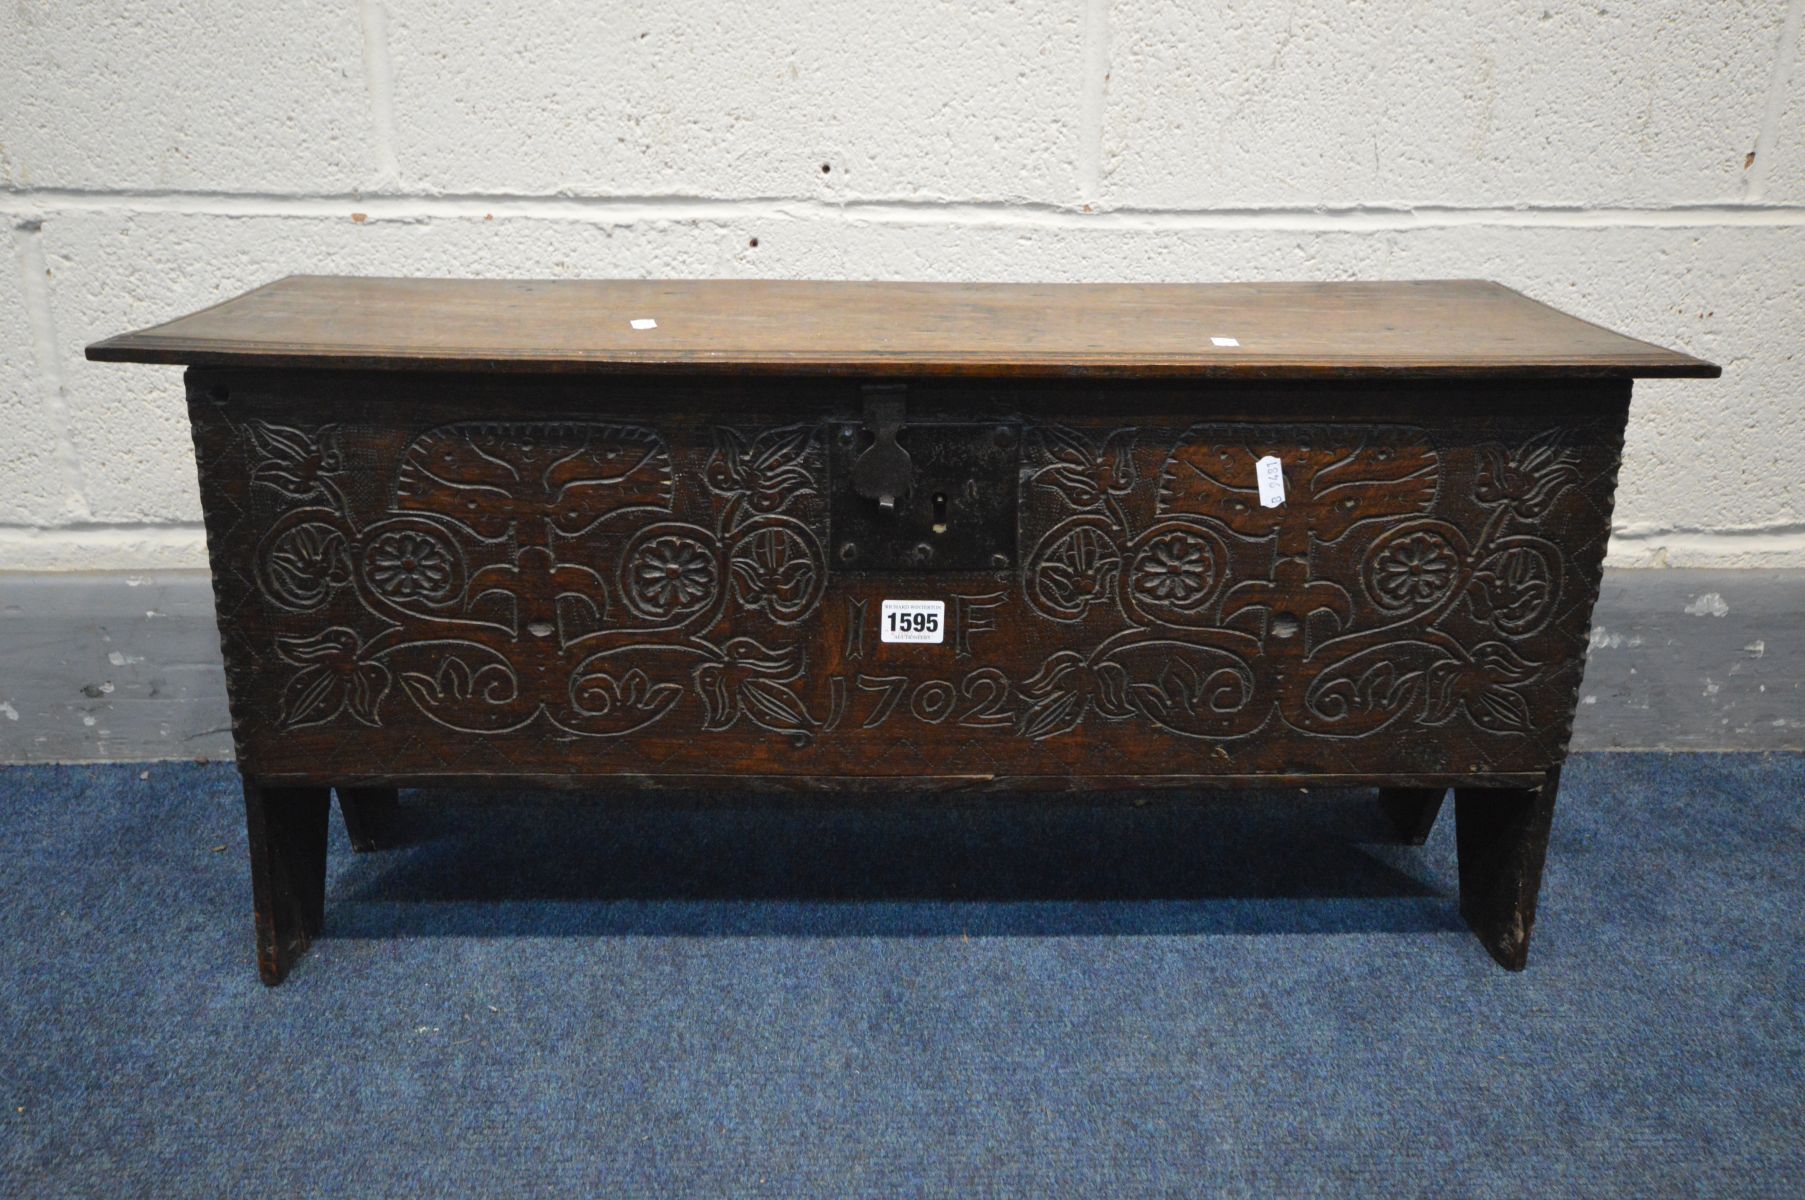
(858, 535)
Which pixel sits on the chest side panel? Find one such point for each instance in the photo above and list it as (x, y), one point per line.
(456, 577)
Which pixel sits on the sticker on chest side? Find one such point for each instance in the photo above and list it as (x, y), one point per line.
(912, 621)
(1270, 475)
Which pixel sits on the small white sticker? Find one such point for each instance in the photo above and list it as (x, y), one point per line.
(1271, 477)
(1216, 341)
(643, 323)
(912, 621)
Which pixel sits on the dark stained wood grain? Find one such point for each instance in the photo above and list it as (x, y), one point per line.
(1435, 328)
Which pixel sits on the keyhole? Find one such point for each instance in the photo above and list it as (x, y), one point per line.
(939, 512)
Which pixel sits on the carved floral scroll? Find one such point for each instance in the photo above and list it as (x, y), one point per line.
(575, 574)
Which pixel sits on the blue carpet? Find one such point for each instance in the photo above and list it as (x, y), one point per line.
(568, 997)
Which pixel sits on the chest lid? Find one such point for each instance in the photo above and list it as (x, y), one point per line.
(1422, 328)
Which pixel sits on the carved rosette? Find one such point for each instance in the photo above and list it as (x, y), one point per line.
(669, 572)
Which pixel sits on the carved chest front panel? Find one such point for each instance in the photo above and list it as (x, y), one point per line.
(467, 576)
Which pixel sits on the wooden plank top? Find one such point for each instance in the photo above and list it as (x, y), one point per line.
(1423, 328)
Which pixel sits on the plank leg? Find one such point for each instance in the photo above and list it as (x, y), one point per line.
(1412, 811)
(370, 816)
(287, 827)
(1502, 839)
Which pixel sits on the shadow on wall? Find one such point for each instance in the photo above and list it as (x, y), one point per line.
(1250, 863)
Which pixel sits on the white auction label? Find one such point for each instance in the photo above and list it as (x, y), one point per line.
(1271, 477)
(912, 621)
(1222, 341)
(643, 323)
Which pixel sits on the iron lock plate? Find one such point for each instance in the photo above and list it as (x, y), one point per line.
(954, 509)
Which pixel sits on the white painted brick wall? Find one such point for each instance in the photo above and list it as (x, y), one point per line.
(158, 155)
(1487, 102)
(916, 99)
(183, 95)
